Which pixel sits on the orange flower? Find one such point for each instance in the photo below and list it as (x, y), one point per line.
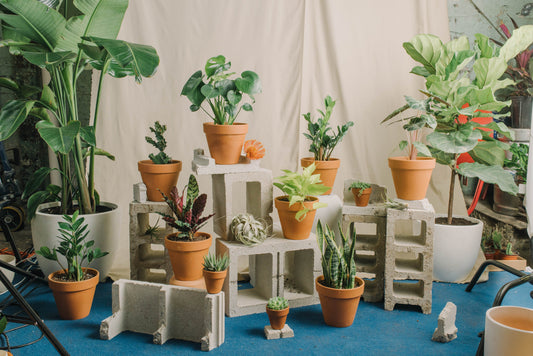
(254, 149)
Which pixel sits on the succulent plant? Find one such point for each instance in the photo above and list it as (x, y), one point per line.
(360, 185)
(216, 263)
(247, 230)
(277, 303)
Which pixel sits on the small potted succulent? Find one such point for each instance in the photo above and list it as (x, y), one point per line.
(361, 192)
(507, 253)
(487, 246)
(248, 230)
(323, 141)
(160, 172)
(224, 95)
(339, 289)
(73, 286)
(277, 310)
(187, 247)
(215, 271)
(297, 208)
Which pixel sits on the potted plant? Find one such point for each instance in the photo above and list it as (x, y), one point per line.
(160, 172)
(323, 141)
(508, 253)
(361, 192)
(73, 285)
(224, 96)
(64, 43)
(187, 247)
(505, 203)
(215, 271)
(455, 101)
(487, 246)
(297, 208)
(277, 310)
(248, 230)
(339, 289)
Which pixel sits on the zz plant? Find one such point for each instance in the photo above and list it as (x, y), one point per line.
(160, 143)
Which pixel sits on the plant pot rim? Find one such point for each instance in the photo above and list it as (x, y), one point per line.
(364, 190)
(340, 293)
(215, 273)
(74, 285)
(54, 204)
(420, 163)
(186, 245)
(309, 199)
(237, 128)
(502, 308)
(279, 311)
(148, 162)
(469, 218)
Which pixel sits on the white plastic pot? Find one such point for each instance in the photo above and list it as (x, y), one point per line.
(104, 229)
(508, 331)
(455, 249)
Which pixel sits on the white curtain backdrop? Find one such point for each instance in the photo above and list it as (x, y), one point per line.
(302, 50)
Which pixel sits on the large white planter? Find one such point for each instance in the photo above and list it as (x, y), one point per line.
(104, 229)
(455, 249)
(508, 331)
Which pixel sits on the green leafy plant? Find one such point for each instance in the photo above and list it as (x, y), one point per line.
(248, 230)
(323, 139)
(73, 247)
(216, 263)
(160, 143)
(509, 249)
(338, 262)
(299, 186)
(65, 37)
(360, 185)
(222, 94)
(187, 209)
(518, 161)
(153, 230)
(277, 303)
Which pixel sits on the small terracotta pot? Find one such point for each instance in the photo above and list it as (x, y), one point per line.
(503, 256)
(74, 299)
(187, 257)
(159, 178)
(339, 306)
(225, 141)
(214, 280)
(490, 255)
(293, 229)
(326, 169)
(277, 317)
(411, 177)
(361, 198)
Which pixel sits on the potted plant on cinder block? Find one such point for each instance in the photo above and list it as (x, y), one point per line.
(215, 271)
(224, 95)
(277, 310)
(297, 208)
(361, 192)
(73, 285)
(323, 141)
(339, 289)
(159, 173)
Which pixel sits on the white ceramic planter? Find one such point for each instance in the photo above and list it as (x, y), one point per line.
(508, 331)
(455, 250)
(104, 229)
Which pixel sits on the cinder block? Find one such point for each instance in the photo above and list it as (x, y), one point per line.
(168, 312)
(446, 330)
(284, 333)
(204, 164)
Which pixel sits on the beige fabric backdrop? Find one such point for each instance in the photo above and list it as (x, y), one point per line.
(302, 51)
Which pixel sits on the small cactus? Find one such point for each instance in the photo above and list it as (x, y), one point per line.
(277, 303)
(247, 230)
(160, 143)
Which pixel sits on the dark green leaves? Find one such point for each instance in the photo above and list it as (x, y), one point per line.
(490, 174)
(60, 139)
(249, 83)
(216, 65)
(12, 116)
(193, 90)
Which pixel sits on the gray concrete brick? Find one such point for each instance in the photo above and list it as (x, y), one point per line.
(446, 330)
(284, 333)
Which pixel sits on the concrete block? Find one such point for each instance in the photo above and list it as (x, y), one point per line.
(204, 164)
(139, 193)
(446, 330)
(284, 333)
(168, 312)
(378, 195)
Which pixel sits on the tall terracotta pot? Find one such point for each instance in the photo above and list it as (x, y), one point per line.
(225, 141)
(277, 318)
(159, 178)
(411, 177)
(214, 280)
(339, 306)
(326, 169)
(187, 257)
(74, 299)
(293, 229)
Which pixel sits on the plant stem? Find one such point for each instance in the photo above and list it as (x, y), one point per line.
(452, 188)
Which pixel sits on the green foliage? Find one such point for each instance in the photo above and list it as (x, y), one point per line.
(299, 187)
(224, 95)
(73, 247)
(216, 263)
(160, 143)
(153, 231)
(322, 141)
(247, 230)
(338, 262)
(519, 160)
(65, 44)
(187, 210)
(277, 303)
(3, 323)
(360, 185)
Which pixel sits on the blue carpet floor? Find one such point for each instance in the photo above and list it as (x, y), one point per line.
(404, 331)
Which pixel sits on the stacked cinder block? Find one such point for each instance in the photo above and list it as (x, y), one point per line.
(409, 255)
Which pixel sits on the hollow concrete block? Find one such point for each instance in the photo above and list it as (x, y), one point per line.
(168, 312)
(284, 333)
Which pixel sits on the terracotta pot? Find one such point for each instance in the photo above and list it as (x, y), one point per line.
(214, 280)
(74, 299)
(293, 229)
(503, 256)
(277, 317)
(361, 198)
(411, 177)
(187, 257)
(339, 305)
(159, 178)
(490, 255)
(225, 141)
(326, 169)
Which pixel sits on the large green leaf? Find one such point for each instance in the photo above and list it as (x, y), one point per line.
(249, 83)
(485, 47)
(521, 39)
(455, 142)
(489, 153)
(36, 181)
(12, 115)
(426, 50)
(9, 84)
(216, 65)
(490, 174)
(45, 59)
(60, 139)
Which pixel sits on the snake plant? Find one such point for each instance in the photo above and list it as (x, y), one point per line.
(247, 230)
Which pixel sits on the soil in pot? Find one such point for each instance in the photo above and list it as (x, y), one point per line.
(214, 280)
(277, 318)
(187, 257)
(225, 141)
(159, 178)
(361, 197)
(293, 229)
(326, 169)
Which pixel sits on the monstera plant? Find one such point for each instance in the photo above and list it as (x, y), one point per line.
(65, 38)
